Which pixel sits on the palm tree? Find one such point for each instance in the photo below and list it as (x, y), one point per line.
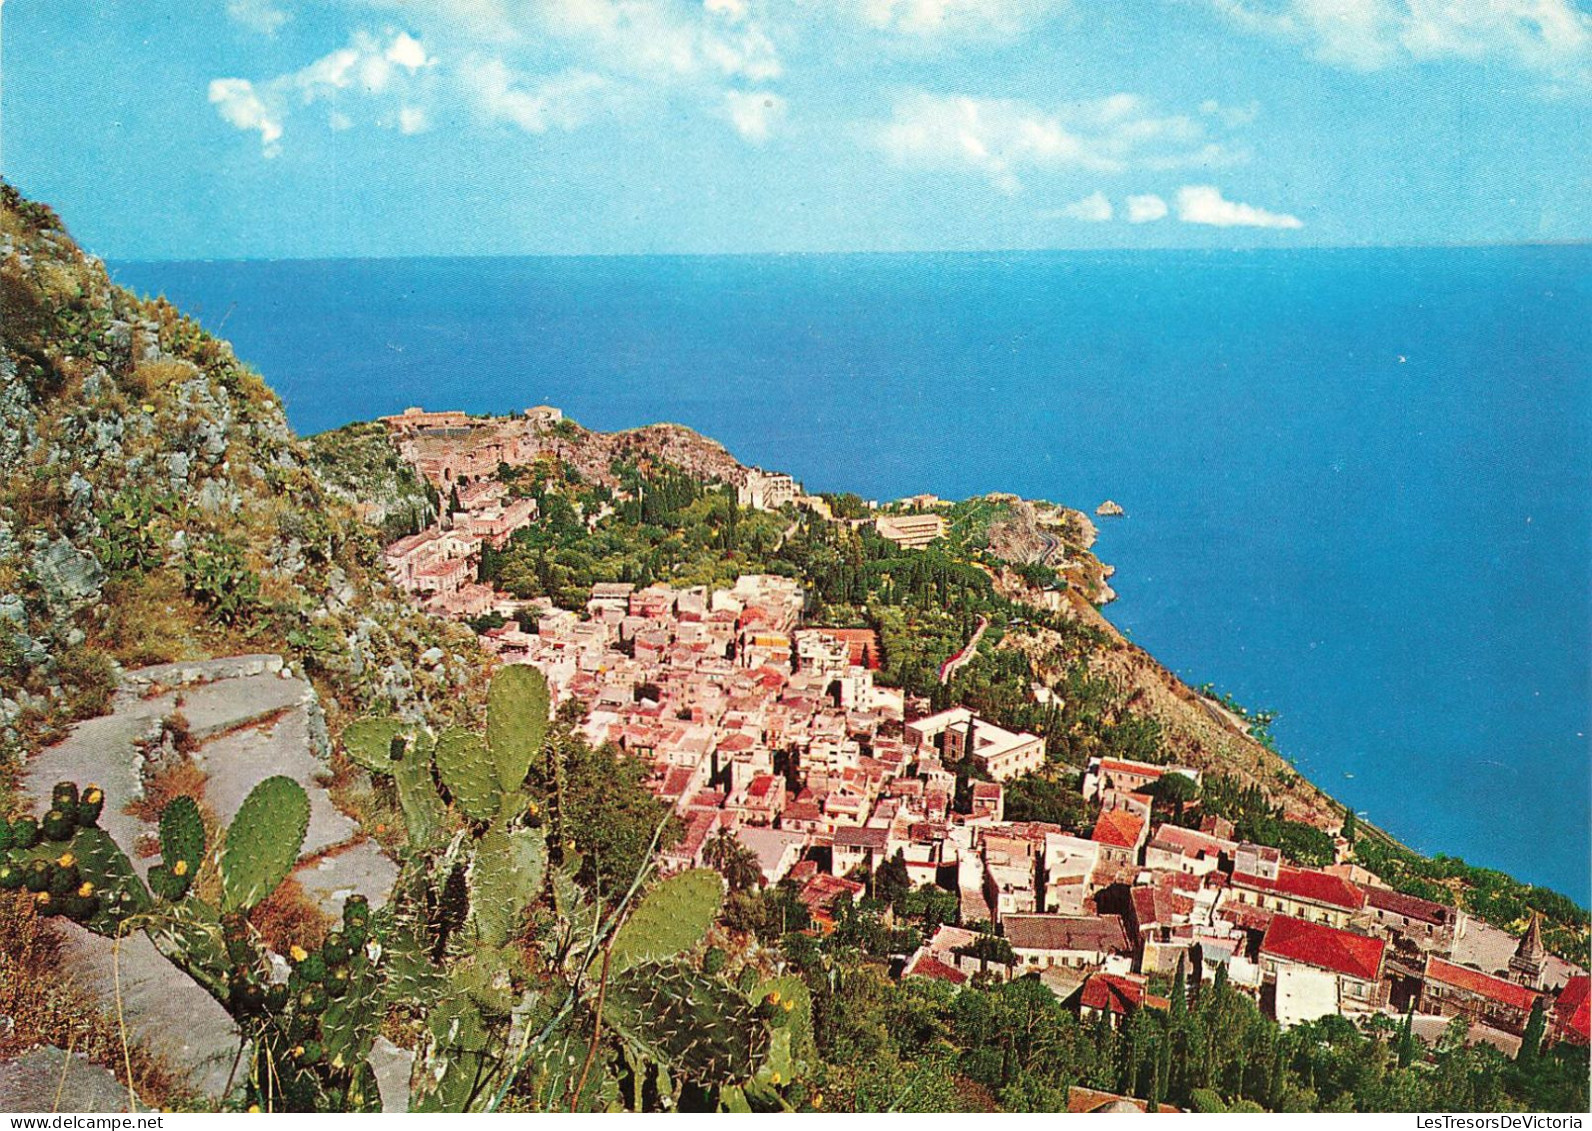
(733, 860)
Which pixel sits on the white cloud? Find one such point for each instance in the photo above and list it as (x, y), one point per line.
(239, 105)
(662, 41)
(258, 15)
(1092, 209)
(1002, 137)
(1204, 204)
(373, 78)
(732, 10)
(405, 50)
(950, 19)
(538, 104)
(753, 113)
(1552, 37)
(547, 64)
(1145, 208)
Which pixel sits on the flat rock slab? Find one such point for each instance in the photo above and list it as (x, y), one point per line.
(360, 868)
(50, 1079)
(164, 1008)
(239, 760)
(393, 1067)
(252, 720)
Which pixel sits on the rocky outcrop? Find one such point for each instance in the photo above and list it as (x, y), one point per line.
(154, 504)
(1109, 509)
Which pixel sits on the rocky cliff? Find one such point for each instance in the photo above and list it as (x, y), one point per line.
(155, 506)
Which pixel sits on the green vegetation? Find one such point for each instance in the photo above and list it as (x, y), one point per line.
(919, 1045)
(672, 528)
(360, 464)
(1484, 892)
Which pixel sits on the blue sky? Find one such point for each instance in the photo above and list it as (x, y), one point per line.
(177, 129)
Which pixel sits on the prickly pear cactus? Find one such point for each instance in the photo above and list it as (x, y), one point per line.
(369, 742)
(702, 1028)
(467, 769)
(787, 1006)
(86, 878)
(424, 814)
(263, 842)
(510, 867)
(517, 713)
(671, 918)
(182, 837)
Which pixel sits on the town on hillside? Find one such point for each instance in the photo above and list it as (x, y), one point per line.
(778, 734)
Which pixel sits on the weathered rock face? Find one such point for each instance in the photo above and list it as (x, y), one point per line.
(251, 718)
(51, 1079)
(1109, 509)
(143, 467)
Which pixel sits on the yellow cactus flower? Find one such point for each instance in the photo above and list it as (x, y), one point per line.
(773, 997)
(818, 1099)
(254, 1109)
(297, 953)
(66, 860)
(180, 868)
(93, 795)
(774, 1078)
(298, 1050)
(789, 1005)
(86, 890)
(42, 898)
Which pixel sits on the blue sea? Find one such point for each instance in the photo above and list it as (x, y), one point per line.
(1358, 483)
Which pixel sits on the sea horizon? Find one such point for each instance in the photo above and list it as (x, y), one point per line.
(1357, 491)
(122, 262)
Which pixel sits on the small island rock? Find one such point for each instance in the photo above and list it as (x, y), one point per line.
(1109, 509)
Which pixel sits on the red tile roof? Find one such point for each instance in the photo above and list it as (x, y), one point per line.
(851, 837)
(1397, 903)
(1112, 993)
(927, 966)
(1483, 985)
(1141, 769)
(1118, 828)
(823, 890)
(1307, 885)
(1327, 948)
(1571, 1013)
(1081, 1100)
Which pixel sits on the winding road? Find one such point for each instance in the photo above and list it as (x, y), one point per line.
(951, 666)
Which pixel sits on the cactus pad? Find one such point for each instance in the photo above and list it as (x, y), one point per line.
(117, 891)
(466, 768)
(792, 1047)
(424, 815)
(369, 742)
(671, 918)
(508, 874)
(698, 1026)
(517, 710)
(263, 842)
(182, 836)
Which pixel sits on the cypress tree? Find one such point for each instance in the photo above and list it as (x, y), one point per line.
(1404, 1043)
(1531, 1043)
